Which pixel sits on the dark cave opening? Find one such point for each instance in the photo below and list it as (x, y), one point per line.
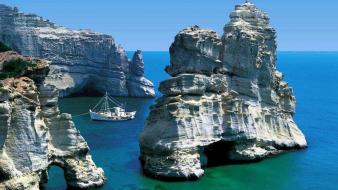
(57, 182)
(216, 154)
(88, 90)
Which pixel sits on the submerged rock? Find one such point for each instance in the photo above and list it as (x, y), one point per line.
(35, 135)
(224, 103)
(82, 61)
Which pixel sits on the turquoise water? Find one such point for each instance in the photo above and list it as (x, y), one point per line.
(314, 76)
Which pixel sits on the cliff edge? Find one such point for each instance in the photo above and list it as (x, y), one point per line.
(82, 61)
(224, 103)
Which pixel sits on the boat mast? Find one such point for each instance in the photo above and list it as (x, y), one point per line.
(106, 106)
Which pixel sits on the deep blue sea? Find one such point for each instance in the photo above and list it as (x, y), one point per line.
(314, 77)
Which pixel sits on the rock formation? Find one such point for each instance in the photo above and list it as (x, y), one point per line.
(35, 135)
(81, 61)
(136, 76)
(225, 102)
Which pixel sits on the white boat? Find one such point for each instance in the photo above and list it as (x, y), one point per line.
(103, 111)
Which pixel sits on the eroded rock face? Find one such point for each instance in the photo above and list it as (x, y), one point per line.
(82, 61)
(136, 77)
(35, 135)
(224, 103)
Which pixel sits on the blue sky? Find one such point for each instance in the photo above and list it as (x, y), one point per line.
(302, 25)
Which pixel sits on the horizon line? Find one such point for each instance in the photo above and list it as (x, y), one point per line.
(314, 51)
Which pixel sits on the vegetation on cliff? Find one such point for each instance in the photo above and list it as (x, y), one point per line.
(4, 47)
(14, 68)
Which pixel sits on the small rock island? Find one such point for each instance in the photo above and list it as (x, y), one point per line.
(82, 62)
(225, 101)
(34, 134)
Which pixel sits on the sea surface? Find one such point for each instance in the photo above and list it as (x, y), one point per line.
(314, 77)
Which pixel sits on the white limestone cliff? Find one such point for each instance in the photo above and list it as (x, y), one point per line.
(225, 102)
(35, 135)
(82, 61)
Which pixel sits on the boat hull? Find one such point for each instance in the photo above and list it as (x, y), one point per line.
(101, 117)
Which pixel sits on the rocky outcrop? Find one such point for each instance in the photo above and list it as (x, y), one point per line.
(35, 135)
(82, 61)
(136, 77)
(225, 102)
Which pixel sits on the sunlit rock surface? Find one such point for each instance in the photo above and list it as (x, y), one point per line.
(35, 135)
(82, 61)
(225, 102)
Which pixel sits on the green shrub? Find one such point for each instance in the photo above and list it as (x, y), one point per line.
(4, 47)
(14, 68)
(3, 76)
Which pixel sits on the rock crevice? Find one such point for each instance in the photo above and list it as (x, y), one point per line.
(225, 102)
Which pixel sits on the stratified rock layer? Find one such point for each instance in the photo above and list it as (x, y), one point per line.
(35, 135)
(82, 61)
(224, 103)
